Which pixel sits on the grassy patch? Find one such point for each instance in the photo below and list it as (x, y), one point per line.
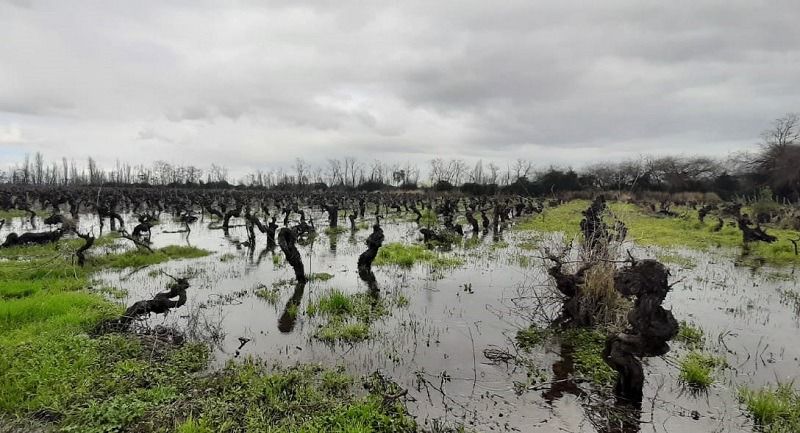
(406, 256)
(335, 231)
(690, 335)
(136, 258)
(697, 369)
(684, 230)
(252, 397)
(587, 345)
(348, 317)
(530, 337)
(12, 213)
(775, 410)
(271, 295)
(320, 276)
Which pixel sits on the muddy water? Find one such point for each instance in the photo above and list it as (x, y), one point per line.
(434, 345)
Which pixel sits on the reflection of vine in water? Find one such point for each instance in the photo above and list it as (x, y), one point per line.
(288, 318)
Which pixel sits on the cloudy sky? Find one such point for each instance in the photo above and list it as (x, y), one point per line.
(257, 84)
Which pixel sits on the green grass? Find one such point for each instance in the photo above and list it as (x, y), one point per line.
(428, 218)
(320, 276)
(335, 231)
(697, 369)
(774, 410)
(406, 256)
(252, 397)
(682, 231)
(336, 330)
(690, 335)
(271, 295)
(13, 213)
(587, 355)
(348, 317)
(531, 337)
(137, 258)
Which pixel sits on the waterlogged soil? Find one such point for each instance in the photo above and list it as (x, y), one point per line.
(434, 343)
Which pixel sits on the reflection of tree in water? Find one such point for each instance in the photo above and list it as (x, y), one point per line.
(619, 416)
(288, 318)
(562, 382)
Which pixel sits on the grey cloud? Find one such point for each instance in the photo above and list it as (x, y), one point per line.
(264, 82)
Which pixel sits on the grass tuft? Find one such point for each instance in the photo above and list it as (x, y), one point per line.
(406, 256)
(775, 410)
(697, 369)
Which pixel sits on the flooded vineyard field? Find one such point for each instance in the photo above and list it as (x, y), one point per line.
(466, 331)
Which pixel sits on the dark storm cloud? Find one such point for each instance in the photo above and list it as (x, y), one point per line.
(264, 82)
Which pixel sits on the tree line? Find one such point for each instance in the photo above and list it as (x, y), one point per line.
(774, 163)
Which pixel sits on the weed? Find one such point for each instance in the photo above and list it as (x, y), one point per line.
(335, 231)
(775, 410)
(272, 296)
(137, 258)
(690, 335)
(647, 229)
(320, 276)
(407, 256)
(531, 337)
(697, 369)
(587, 352)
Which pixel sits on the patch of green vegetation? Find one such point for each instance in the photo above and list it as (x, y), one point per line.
(499, 245)
(690, 335)
(587, 355)
(428, 218)
(565, 218)
(305, 399)
(697, 369)
(137, 258)
(472, 242)
(531, 337)
(336, 330)
(774, 410)
(227, 257)
(684, 230)
(277, 259)
(271, 295)
(335, 231)
(320, 276)
(348, 317)
(12, 213)
(407, 256)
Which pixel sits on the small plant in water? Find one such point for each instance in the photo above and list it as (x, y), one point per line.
(690, 335)
(775, 410)
(697, 369)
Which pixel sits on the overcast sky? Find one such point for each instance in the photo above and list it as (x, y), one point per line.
(257, 84)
